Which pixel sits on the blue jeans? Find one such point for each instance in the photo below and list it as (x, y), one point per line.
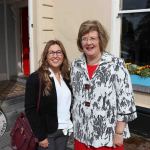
(57, 141)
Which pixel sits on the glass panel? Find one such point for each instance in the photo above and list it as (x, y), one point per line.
(135, 38)
(135, 4)
(3, 68)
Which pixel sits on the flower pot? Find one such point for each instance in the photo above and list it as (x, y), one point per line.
(138, 80)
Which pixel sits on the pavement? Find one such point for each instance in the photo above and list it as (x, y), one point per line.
(134, 143)
(5, 142)
(12, 103)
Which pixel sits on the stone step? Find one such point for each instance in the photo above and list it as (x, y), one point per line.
(5, 141)
(12, 109)
(11, 117)
(12, 104)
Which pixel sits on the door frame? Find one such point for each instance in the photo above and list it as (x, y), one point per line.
(16, 12)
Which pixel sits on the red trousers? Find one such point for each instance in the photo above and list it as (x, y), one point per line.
(80, 146)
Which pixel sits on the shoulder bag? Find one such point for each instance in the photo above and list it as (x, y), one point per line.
(22, 137)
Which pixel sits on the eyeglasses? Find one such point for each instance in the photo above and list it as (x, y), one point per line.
(52, 53)
(91, 39)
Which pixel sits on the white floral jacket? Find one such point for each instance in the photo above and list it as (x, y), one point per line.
(101, 101)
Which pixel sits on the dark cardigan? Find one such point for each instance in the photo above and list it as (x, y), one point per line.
(44, 121)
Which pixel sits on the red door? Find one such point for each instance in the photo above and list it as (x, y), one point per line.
(25, 41)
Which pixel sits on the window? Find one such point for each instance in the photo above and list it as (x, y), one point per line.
(135, 31)
(134, 4)
(130, 37)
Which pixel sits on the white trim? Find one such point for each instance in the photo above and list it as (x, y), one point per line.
(31, 47)
(116, 29)
(133, 11)
(116, 25)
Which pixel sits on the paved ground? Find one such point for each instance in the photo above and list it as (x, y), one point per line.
(134, 143)
(137, 143)
(11, 89)
(5, 142)
(14, 91)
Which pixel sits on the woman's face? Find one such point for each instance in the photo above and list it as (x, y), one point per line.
(90, 44)
(55, 56)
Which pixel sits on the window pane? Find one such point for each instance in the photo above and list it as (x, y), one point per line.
(135, 4)
(135, 38)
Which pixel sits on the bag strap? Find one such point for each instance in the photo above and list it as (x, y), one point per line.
(39, 96)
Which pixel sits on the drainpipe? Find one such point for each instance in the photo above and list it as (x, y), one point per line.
(31, 46)
(6, 40)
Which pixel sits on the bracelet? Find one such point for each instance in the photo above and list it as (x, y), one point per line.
(119, 133)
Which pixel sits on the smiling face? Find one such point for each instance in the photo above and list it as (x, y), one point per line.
(90, 44)
(55, 57)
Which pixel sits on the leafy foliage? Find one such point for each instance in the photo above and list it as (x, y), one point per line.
(143, 71)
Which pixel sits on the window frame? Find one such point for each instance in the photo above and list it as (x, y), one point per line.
(116, 34)
(116, 24)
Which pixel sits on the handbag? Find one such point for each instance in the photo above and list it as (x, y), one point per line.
(22, 137)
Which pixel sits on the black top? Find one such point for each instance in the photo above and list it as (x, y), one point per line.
(44, 121)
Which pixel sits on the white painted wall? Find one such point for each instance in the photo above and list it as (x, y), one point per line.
(70, 14)
(66, 17)
(41, 28)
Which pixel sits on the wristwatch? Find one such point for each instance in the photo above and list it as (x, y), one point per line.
(119, 133)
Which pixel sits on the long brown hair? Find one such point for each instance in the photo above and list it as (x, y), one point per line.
(44, 67)
(93, 25)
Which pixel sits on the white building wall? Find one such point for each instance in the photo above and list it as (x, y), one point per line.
(41, 26)
(70, 14)
(55, 19)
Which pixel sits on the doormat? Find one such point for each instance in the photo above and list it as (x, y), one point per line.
(10, 89)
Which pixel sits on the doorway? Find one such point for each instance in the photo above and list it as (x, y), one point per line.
(25, 41)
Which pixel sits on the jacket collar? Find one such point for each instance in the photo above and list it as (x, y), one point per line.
(106, 58)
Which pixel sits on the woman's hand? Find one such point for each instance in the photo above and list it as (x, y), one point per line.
(118, 136)
(44, 143)
(118, 140)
